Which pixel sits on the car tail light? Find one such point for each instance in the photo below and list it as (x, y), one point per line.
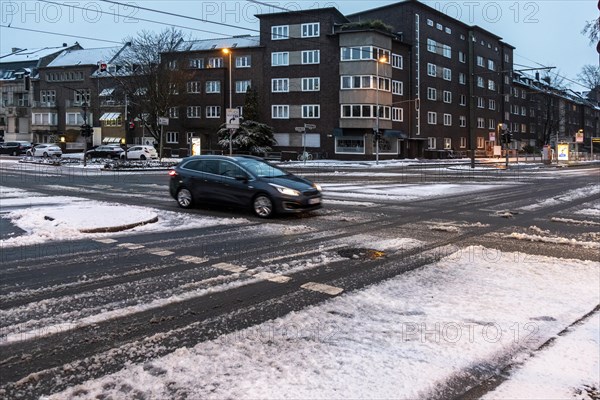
(172, 173)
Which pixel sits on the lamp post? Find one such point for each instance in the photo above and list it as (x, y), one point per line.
(379, 60)
(231, 130)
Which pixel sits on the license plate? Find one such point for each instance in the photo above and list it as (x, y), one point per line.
(314, 201)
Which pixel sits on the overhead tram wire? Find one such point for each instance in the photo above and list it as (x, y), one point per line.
(136, 18)
(59, 34)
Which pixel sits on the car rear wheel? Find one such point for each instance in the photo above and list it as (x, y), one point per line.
(263, 206)
(15, 153)
(45, 155)
(184, 198)
(142, 157)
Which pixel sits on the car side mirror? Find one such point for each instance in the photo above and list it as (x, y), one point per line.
(242, 178)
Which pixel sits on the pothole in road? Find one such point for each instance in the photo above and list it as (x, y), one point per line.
(361, 254)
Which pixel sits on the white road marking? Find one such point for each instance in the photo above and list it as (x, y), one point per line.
(303, 253)
(229, 267)
(193, 259)
(131, 246)
(162, 253)
(268, 276)
(322, 288)
(105, 241)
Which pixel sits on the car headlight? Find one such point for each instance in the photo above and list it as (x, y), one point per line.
(285, 190)
(317, 186)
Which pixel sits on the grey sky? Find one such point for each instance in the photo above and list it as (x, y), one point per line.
(544, 32)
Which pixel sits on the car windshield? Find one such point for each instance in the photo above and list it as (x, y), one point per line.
(260, 168)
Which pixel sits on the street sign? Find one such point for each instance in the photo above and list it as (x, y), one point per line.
(232, 118)
(579, 136)
(299, 129)
(492, 136)
(163, 121)
(310, 126)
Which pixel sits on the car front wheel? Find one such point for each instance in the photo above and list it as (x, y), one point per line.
(184, 198)
(263, 206)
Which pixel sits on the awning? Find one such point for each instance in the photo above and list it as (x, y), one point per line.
(111, 140)
(106, 92)
(110, 116)
(394, 134)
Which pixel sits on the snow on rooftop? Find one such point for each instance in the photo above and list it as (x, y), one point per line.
(84, 56)
(224, 43)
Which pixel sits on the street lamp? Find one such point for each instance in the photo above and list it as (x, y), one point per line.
(379, 60)
(231, 130)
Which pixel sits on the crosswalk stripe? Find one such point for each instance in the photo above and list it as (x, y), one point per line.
(193, 259)
(229, 267)
(322, 288)
(162, 253)
(131, 246)
(105, 241)
(268, 276)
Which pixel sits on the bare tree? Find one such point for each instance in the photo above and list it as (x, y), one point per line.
(549, 86)
(590, 76)
(592, 30)
(152, 76)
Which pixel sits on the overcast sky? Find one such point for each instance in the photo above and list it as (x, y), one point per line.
(546, 32)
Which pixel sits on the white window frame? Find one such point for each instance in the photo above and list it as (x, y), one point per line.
(462, 122)
(213, 112)
(242, 86)
(492, 104)
(311, 111)
(194, 112)
(447, 119)
(462, 57)
(447, 95)
(311, 56)
(431, 94)
(397, 61)
(446, 51)
(432, 143)
(462, 78)
(280, 32)
(448, 143)
(431, 117)
(213, 87)
(398, 87)
(480, 122)
(312, 84)
(173, 112)
(397, 114)
(312, 29)
(447, 74)
(280, 111)
(243, 62)
(215, 62)
(172, 137)
(431, 69)
(280, 85)
(280, 58)
(193, 87)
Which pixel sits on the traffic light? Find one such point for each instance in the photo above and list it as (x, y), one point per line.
(507, 137)
(86, 130)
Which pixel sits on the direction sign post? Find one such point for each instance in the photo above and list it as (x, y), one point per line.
(232, 122)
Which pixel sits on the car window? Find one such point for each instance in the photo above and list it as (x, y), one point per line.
(227, 168)
(260, 168)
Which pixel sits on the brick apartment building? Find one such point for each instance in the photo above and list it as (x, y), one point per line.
(430, 83)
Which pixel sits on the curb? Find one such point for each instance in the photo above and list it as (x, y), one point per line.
(120, 228)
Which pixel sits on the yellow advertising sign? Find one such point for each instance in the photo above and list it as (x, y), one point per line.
(563, 152)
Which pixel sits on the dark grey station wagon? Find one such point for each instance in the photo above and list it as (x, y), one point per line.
(242, 181)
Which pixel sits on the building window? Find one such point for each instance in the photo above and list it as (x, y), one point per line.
(396, 61)
(462, 78)
(491, 65)
(213, 112)
(280, 112)
(462, 57)
(172, 137)
(447, 96)
(431, 69)
(480, 102)
(432, 143)
(446, 51)
(431, 93)
(76, 119)
(429, 22)
(492, 104)
(439, 27)
(480, 61)
(448, 119)
(463, 100)
(447, 143)
(280, 58)
(173, 112)
(365, 111)
(48, 96)
(523, 110)
(448, 30)
(447, 74)
(213, 86)
(311, 84)
(431, 117)
(196, 63)
(44, 119)
(280, 85)
(311, 111)
(480, 122)
(310, 30)
(242, 86)
(194, 112)
(462, 121)
(397, 114)
(350, 145)
(397, 87)
(463, 142)
(491, 123)
(431, 45)
(491, 85)
(193, 87)
(280, 32)
(310, 57)
(215, 62)
(480, 82)
(364, 53)
(243, 62)
(81, 95)
(480, 142)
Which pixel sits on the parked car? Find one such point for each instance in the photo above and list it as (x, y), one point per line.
(15, 148)
(104, 151)
(45, 150)
(140, 153)
(243, 181)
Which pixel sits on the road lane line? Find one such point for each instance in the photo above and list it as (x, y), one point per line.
(131, 246)
(322, 288)
(229, 267)
(268, 276)
(105, 241)
(193, 259)
(162, 253)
